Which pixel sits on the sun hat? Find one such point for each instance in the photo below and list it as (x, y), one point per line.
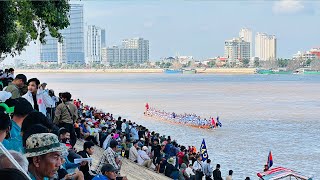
(171, 161)
(43, 143)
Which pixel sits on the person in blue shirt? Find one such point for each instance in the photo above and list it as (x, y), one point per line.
(21, 110)
(108, 172)
(134, 132)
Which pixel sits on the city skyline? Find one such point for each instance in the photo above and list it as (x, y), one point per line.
(199, 29)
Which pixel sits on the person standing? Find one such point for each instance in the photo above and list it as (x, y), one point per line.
(208, 170)
(229, 177)
(198, 168)
(217, 173)
(39, 99)
(15, 85)
(65, 115)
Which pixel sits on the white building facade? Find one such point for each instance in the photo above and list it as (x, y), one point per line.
(95, 42)
(236, 50)
(246, 35)
(134, 51)
(266, 47)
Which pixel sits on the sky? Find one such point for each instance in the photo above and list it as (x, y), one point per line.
(199, 28)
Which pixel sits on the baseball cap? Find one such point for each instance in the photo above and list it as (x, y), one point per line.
(108, 168)
(22, 77)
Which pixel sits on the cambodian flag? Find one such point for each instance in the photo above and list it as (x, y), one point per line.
(270, 160)
(203, 151)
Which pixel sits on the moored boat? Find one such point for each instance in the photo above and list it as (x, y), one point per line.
(173, 71)
(189, 71)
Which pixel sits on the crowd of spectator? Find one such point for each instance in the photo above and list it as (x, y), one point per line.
(40, 130)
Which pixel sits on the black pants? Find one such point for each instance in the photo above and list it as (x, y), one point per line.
(199, 175)
(70, 128)
(208, 178)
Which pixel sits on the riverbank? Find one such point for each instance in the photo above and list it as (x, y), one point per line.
(202, 71)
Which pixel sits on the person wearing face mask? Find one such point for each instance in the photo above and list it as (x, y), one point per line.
(39, 99)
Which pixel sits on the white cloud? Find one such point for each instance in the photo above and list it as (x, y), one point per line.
(287, 6)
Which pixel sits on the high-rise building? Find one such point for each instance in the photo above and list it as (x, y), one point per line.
(111, 55)
(71, 50)
(132, 51)
(246, 35)
(95, 41)
(142, 47)
(236, 50)
(266, 47)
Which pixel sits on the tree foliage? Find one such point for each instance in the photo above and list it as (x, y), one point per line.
(23, 21)
(282, 63)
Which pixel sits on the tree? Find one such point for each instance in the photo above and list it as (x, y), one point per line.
(315, 65)
(283, 62)
(308, 62)
(211, 64)
(245, 62)
(294, 64)
(158, 63)
(167, 65)
(23, 21)
(256, 63)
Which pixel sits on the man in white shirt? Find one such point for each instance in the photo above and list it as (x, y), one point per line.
(123, 126)
(133, 153)
(190, 172)
(229, 177)
(198, 167)
(143, 158)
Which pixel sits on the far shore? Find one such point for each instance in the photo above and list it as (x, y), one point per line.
(201, 71)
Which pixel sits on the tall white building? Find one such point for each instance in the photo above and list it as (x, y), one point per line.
(132, 51)
(266, 47)
(95, 42)
(246, 35)
(236, 50)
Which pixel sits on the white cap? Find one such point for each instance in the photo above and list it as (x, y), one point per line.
(144, 148)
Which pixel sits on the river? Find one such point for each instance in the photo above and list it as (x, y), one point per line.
(259, 113)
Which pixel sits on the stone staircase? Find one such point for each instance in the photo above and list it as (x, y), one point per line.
(130, 169)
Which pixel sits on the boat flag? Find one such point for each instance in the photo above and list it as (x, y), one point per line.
(270, 160)
(219, 123)
(213, 123)
(203, 151)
